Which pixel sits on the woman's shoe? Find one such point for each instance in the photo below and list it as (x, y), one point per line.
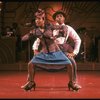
(29, 85)
(74, 86)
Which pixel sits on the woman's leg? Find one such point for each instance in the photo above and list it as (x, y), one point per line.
(30, 79)
(74, 65)
(31, 71)
(70, 72)
(72, 81)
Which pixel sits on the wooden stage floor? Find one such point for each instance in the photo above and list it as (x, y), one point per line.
(50, 85)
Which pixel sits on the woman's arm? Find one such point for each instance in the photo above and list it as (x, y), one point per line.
(25, 37)
(28, 35)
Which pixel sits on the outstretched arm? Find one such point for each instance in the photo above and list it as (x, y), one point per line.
(27, 36)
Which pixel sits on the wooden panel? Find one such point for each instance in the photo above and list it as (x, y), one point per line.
(99, 50)
(7, 50)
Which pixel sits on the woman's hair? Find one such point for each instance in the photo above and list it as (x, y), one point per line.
(40, 13)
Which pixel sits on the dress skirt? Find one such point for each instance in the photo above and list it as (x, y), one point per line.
(51, 60)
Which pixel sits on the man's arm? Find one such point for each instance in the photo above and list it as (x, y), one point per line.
(72, 34)
(35, 46)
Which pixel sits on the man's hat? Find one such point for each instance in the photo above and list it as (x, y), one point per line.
(58, 12)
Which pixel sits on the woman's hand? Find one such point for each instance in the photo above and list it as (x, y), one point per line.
(25, 37)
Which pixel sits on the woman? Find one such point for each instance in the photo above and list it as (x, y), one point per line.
(51, 57)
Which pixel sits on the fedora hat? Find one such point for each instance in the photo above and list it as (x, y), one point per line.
(58, 12)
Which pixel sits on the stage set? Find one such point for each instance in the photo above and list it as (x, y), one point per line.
(15, 54)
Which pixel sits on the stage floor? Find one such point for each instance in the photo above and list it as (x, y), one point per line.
(50, 85)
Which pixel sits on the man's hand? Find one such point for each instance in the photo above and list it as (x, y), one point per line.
(36, 52)
(70, 55)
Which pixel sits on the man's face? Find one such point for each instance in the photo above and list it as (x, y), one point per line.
(60, 18)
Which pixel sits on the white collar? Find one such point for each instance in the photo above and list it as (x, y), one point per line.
(58, 24)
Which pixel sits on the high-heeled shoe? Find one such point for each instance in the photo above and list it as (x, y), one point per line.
(29, 85)
(74, 86)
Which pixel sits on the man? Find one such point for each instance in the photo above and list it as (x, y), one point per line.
(59, 18)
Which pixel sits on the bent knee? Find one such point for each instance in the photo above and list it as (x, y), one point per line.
(30, 64)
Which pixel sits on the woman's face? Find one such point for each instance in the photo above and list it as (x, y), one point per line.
(39, 21)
